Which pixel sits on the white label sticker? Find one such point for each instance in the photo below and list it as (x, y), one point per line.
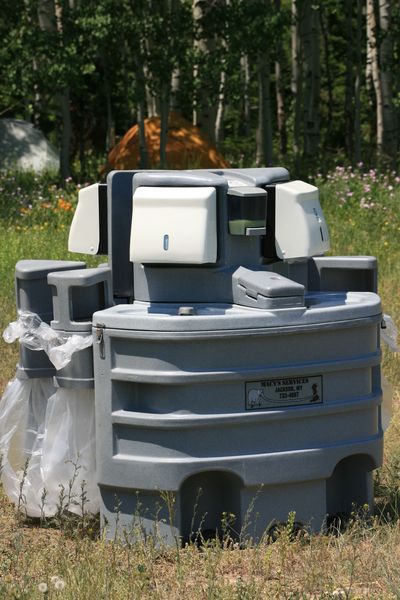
(286, 391)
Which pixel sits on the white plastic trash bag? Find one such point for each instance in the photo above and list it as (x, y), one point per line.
(387, 402)
(389, 333)
(389, 337)
(68, 454)
(34, 334)
(22, 416)
(47, 435)
(61, 355)
(47, 443)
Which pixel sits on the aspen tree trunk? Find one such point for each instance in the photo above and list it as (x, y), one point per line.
(168, 8)
(145, 47)
(389, 138)
(368, 63)
(309, 28)
(204, 110)
(66, 133)
(296, 82)
(244, 64)
(164, 113)
(127, 81)
(143, 153)
(110, 132)
(349, 79)
(175, 89)
(219, 119)
(280, 103)
(150, 97)
(264, 129)
(62, 10)
(280, 109)
(81, 140)
(47, 15)
(141, 112)
(50, 19)
(372, 31)
(328, 71)
(37, 97)
(110, 135)
(357, 86)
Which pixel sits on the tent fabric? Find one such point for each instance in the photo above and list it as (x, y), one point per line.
(25, 148)
(186, 147)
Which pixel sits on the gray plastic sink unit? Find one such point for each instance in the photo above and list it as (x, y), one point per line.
(33, 294)
(236, 409)
(248, 386)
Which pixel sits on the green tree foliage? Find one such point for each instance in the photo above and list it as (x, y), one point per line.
(18, 45)
(116, 60)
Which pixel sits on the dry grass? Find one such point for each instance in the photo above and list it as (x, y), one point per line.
(363, 561)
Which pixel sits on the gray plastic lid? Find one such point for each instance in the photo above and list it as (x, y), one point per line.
(267, 283)
(247, 191)
(178, 179)
(39, 269)
(253, 176)
(320, 309)
(261, 175)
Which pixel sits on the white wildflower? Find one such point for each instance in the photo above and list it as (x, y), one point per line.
(42, 587)
(59, 584)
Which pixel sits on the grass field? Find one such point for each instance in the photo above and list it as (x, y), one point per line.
(72, 561)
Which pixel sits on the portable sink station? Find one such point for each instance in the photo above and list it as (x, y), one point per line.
(236, 368)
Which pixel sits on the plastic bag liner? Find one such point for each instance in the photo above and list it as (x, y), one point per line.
(389, 333)
(33, 333)
(61, 355)
(387, 402)
(47, 435)
(47, 443)
(389, 337)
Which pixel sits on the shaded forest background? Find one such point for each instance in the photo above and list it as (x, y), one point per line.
(304, 83)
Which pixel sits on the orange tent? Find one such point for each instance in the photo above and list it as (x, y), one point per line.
(186, 147)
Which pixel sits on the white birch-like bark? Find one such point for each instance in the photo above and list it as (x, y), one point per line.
(328, 70)
(219, 119)
(357, 86)
(245, 76)
(50, 19)
(368, 62)
(372, 32)
(150, 97)
(349, 78)
(309, 28)
(264, 129)
(296, 81)
(175, 89)
(164, 114)
(204, 110)
(141, 110)
(280, 103)
(389, 137)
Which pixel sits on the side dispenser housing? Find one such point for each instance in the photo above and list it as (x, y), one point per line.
(238, 370)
